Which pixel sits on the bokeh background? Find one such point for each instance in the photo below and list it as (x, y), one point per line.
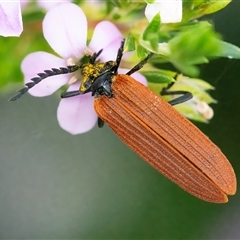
(92, 186)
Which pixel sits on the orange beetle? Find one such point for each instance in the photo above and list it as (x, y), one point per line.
(152, 128)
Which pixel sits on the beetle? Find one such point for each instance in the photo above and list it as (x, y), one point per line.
(151, 127)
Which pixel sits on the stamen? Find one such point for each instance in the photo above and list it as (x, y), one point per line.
(88, 52)
(72, 80)
(70, 62)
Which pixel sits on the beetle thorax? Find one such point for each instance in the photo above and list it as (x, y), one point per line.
(90, 72)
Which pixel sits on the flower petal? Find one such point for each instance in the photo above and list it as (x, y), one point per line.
(11, 19)
(170, 10)
(205, 110)
(137, 76)
(65, 29)
(106, 36)
(37, 62)
(23, 3)
(49, 4)
(76, 114)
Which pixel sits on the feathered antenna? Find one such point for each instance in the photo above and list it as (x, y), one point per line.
(41, 76)
(52, 72)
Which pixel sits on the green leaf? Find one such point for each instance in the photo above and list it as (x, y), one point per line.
(193, 9)
(115, 3)
(157, 77)
(197, 87)
(201, 84)
(228, 50)
(151, 32)
(188, 111)
(16, 49)
(156, 87)
(149, 1)
(129, 43)
(198, 93)
(109, 7)
(142, 52)
(120, 3)
(212, 6)
(116, 16)
(125, 3)
(194, 45)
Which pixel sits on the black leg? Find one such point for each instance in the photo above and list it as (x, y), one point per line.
(140, 64)
(185, 95)
(100, 122)
(70, 94)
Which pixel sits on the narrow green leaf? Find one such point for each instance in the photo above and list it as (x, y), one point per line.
(228, 50)
(142, 52)
(129, 43)
(157, 77)
(193, 9)
(151, 32)
(214, 6)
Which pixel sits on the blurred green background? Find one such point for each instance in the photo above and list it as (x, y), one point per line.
(92, 186)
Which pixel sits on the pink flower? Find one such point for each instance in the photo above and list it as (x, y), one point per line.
(65, 29)
(10, 18)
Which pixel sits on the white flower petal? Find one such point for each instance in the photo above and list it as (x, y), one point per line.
(76, 115)
(170, 10)
(11, 19)
(106, 36)
(49, 4)
(205, 110)
(37, 62)
(65, 29)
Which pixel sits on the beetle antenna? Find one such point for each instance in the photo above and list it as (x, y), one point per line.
(119, 56)
(41, 76)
